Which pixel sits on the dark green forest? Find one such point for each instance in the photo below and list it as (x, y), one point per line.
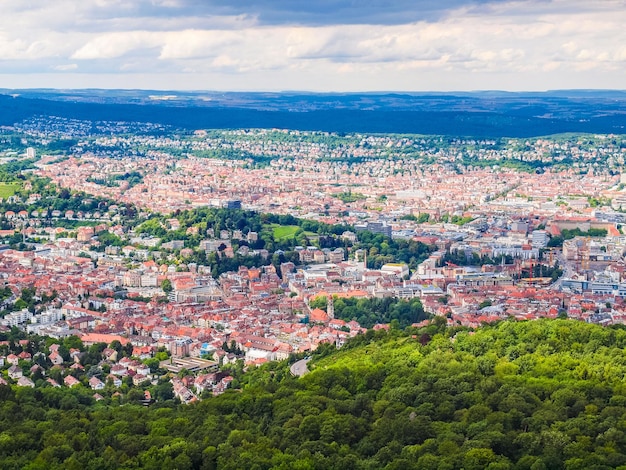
(547, 394)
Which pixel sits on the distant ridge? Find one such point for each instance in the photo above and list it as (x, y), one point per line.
(478, 114)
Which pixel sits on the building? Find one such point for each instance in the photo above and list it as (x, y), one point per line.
(519, 226)
(539, 239)
(96, 384)
(483, 279)
(232, 204)
(180, 347)
(192, 364)
(375, 227)
(16, 318)
(575, 248)
(398, 269)
(25, 382)
(336, 255)
(173, 245)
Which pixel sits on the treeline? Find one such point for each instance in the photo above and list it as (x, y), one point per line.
(11, 171)
(456, 219)
(382, 250)
(61, 199)
(132, 178)
(212, 220)
(230, 220)
(369, 312)
(471, 258)
(516, 395)
(28, 299)
(568, 234)
(543, 270)
(527, 166)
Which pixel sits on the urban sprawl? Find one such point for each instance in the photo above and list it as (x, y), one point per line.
(101, 243)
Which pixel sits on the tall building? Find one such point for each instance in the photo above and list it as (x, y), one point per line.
(30, 152)
(539, 239)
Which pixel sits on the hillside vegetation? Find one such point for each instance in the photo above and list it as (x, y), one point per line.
(532, 395)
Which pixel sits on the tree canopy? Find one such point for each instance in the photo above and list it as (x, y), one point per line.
(515, 395)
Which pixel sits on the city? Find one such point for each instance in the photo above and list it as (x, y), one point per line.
(273, 235)
(493, 242)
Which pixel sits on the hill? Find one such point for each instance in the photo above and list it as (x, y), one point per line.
(480, 114)
(544, 394)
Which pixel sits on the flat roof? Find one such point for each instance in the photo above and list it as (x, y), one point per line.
(192, 364)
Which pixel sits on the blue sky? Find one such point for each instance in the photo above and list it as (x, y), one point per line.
(316, 45)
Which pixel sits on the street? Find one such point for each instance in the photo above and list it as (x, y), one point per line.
(299, 368)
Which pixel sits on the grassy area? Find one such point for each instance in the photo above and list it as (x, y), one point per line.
(349, 196)
(74, 224)
(8, 189)
(284, 231)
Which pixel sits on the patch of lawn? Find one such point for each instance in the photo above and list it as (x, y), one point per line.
(8, 189)
(285, 231)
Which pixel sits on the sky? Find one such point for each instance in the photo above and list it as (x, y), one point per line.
(314, 45)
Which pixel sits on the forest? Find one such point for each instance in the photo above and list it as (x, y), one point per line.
(546, 394)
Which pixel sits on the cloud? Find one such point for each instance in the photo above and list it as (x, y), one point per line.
(96, 16)
(265, 44)
(327, 12)
(65, 67)
(198, 44)
(113, 45)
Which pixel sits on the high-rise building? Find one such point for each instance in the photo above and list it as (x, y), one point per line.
(539, 239)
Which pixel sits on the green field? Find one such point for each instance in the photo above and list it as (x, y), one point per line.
(8, 189)
(284, 231)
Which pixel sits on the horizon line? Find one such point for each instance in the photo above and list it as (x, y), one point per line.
(312, 92)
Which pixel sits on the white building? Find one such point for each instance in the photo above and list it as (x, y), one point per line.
(399, 269)
(539, 239)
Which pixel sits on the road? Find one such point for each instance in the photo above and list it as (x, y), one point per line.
(299, 368)
(568, 271)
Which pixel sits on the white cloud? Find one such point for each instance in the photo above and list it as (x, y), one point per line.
(113, 45)
(518, 43)
(197, 44)
(65, 67)
(25, 48)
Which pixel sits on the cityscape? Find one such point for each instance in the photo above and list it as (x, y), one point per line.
(508, 230)
(274, 235)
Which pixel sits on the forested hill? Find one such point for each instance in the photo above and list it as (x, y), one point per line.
(462, 114)
(535, 395)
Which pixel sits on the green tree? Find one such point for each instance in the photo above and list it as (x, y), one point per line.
(166, 286)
